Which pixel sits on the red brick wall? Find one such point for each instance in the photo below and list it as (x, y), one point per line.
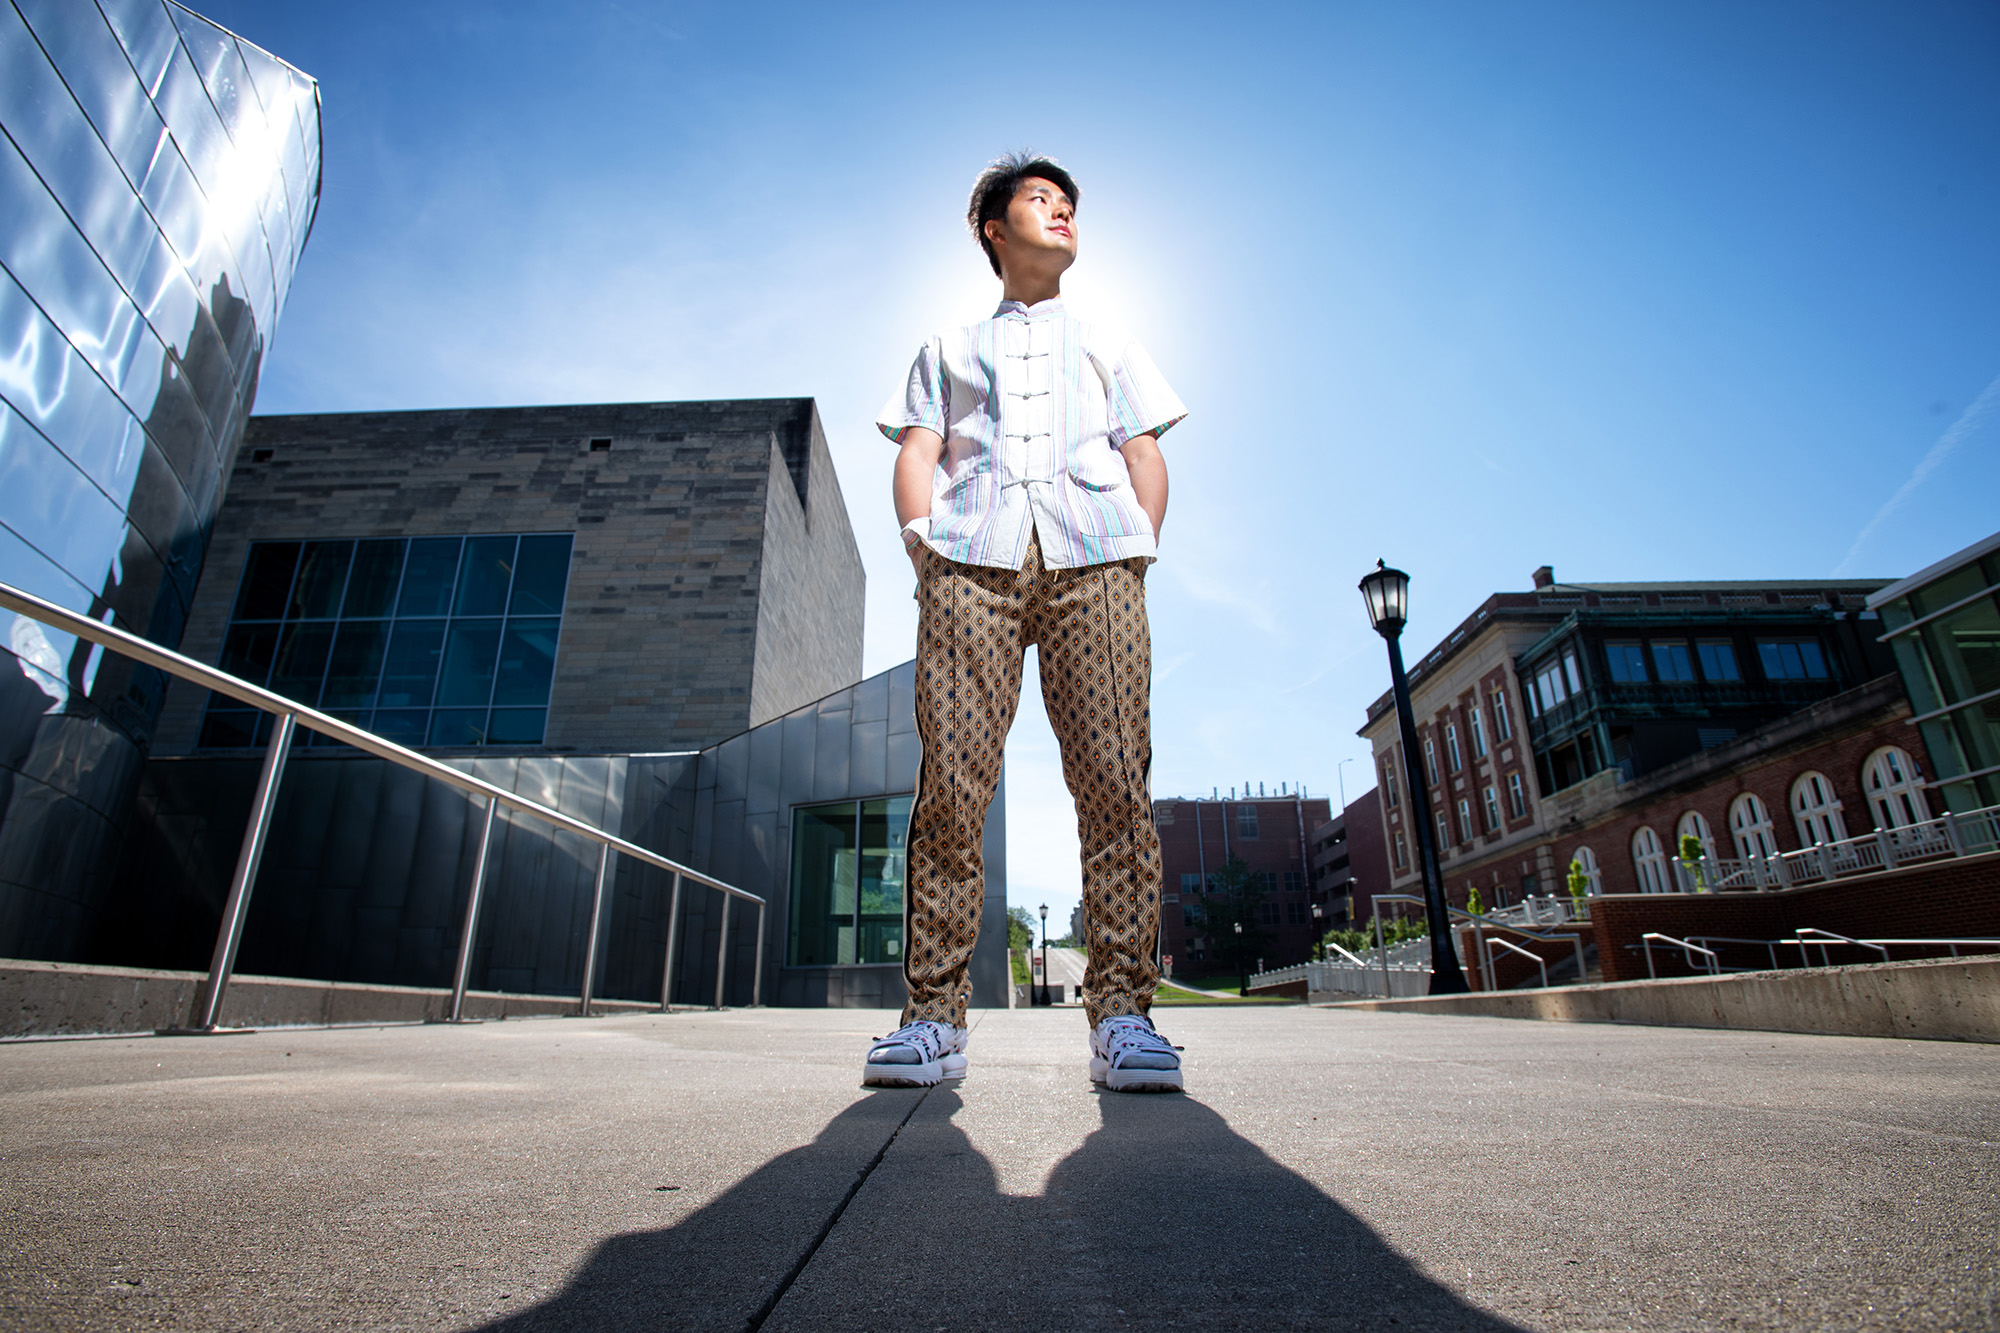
(1944, 898)
(1841, 760)
(1276, 849)
(1367, 854)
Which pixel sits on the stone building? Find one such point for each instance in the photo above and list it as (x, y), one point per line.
(702, 575)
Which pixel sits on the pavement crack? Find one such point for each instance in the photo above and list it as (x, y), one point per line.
(778, 1293)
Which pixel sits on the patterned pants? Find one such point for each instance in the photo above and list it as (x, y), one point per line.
(974, 624)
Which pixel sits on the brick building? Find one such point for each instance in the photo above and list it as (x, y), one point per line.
(1350, 861)
(1566, 720)
(1198, 835)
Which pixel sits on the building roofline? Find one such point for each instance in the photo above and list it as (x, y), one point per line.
(1529, 604)
(1904, 587)
(789, 399)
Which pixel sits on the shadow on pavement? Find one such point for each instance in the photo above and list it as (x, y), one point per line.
(1163, 1218)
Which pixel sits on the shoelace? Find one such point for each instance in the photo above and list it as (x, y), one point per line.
(1133, 1038)
(921, 1034)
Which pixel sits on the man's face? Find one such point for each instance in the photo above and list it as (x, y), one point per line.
(1041, 223)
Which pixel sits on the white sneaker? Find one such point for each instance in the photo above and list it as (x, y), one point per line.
(916, 1055)
(1128, 1055)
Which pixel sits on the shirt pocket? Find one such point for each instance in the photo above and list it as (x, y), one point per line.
(1095, 466)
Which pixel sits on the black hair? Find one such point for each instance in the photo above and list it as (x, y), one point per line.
(997, 186)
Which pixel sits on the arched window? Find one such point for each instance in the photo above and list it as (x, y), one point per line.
(1816, 811)
(1895, 788)
(1586, 858)
(1750, 825)
(1694, 825)
(1649, 861)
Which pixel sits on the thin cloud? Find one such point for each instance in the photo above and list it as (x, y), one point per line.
(1958, 433)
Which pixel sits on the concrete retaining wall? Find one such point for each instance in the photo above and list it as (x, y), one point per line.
(65, 1000)
(1952, 999)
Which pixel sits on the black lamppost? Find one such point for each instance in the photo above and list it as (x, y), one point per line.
(1318, 936)
(1242, 968)
(1387, 594)
(1043, 997)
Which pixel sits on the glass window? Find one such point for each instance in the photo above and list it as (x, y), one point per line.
(1816, 811)
(1964, 650)
(1501, 722)
(1718, 660)
(1431, 760)
(1791, 659)
(1649, 861)
(1464, 819)
(1694, 825)
(1671, 661)
(484, 576)
(1895, 788)
(1246, 821)
(1492, 810)
(848, 864)
(1626, 662)
(371, 588)
(1517, 795)
(1451, 746)
(1569, 670)
(1750, 826)
(382, 632)
(1478, 732)
(1402, 853)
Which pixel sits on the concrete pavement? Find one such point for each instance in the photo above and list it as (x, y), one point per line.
(1328, 1169)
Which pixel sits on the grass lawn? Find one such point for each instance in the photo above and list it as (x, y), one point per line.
(1168, 993)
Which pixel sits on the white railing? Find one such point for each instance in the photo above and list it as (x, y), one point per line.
(1550, 909)
(1952, 835)
(1408, 972)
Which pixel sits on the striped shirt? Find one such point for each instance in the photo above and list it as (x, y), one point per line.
(1033, 405)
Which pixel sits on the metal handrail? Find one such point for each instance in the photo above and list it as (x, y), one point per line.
(1525, 953)
(1688, 949)
(1825, 937)
(292, 714)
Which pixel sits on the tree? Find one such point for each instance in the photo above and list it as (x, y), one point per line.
(1691, 857)
(1232, 899)
(1020, 928)
(1579, 887)
(1472, 902)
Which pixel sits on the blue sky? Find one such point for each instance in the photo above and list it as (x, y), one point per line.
(1642, 291)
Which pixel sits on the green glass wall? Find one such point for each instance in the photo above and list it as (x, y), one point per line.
(847, 882)
(1946, 633)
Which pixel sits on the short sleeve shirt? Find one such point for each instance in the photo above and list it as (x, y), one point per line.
(1034, 406)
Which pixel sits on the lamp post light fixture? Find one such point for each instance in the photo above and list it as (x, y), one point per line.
(1318, 935)
(1242, 972)
(1386, 593)
(1043, 997)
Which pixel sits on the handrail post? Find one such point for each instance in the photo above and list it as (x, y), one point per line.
(1647, 941)
(757, 963)
(1381, 952)
(237, 907)
(1582, 976)
(1888, 852)
(722, 953)
(464, 970)
(673, 941)
(596, 919)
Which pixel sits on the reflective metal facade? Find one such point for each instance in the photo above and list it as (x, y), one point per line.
(158, 178)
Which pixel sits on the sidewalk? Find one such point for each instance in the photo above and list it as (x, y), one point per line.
(1329, 1169)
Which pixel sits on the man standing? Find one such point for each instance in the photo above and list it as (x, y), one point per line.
(1031, 491)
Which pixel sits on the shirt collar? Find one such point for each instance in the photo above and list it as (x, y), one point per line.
(1052, 306)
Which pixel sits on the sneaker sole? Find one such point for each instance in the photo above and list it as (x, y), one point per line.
(1134, 1080)
(914, 1076)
